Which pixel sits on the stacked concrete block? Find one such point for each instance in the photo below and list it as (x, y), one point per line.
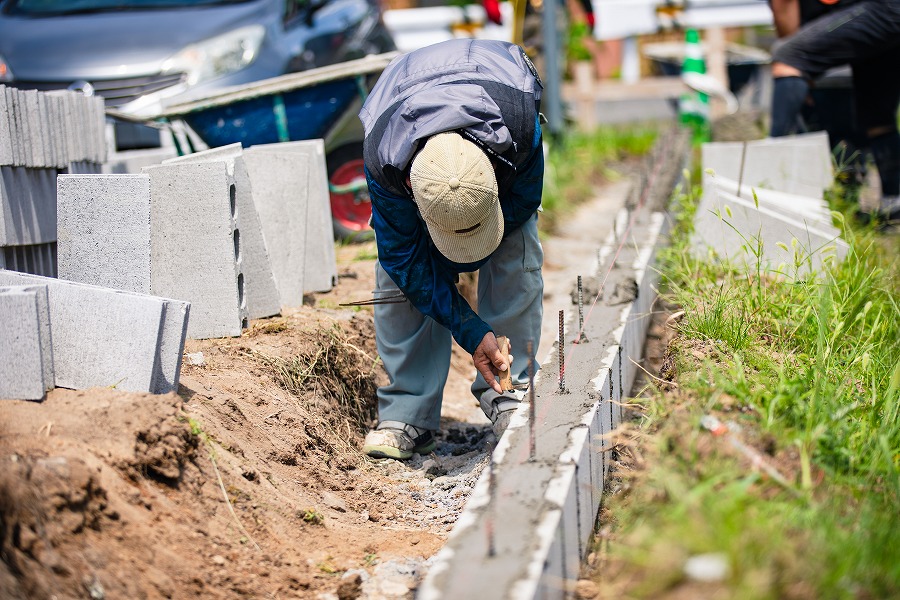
(799, 164)
(42, 135)
(26, 355)
(109, 338)
(196, 245)
(104, 230)
(279, 182)
(320, 266)
(752, 233)
(262, 294)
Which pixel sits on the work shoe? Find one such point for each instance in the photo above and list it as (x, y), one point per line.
(393, 439)
(500, 407)
(886, 217)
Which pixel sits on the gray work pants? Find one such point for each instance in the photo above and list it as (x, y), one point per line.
(416, 350)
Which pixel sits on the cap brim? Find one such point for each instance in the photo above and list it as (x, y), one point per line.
(470, 247)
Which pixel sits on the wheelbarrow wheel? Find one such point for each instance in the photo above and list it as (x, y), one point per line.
(350, 204)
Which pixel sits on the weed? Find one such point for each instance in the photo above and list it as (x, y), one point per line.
(312, 516)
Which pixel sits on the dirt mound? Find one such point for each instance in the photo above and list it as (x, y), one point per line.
(249, 483)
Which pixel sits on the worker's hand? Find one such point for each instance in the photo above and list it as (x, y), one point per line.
(489, 361)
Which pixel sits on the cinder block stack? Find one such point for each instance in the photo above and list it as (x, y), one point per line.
(64, 334)
(41, 135)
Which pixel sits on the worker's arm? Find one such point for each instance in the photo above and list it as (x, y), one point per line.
(786, 14)
(405, 253)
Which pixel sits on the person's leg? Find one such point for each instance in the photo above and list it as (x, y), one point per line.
(415, 351)
(876, 85)
(860, 31)
(510, 298)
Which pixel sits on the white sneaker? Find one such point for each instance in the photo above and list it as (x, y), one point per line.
(500, 407)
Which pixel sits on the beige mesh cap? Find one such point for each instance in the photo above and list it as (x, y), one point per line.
(455, 187)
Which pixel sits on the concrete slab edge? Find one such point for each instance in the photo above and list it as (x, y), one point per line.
(572, 494)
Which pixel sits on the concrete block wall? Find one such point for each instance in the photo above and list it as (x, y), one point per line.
(543, 508)
(262, 295)
(42, 135)
(101, 337)
(320, 265)
(26, 359)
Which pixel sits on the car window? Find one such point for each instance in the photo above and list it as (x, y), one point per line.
(65, 7)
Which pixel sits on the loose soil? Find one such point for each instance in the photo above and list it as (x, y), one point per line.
(248, 483)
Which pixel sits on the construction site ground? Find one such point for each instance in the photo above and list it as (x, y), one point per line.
(248, 483)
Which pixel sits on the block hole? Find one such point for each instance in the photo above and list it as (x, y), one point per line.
(232, 197)
(240, 283)
(245, 323)
(237, 245)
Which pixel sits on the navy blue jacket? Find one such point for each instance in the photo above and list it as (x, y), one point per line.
(489, 92)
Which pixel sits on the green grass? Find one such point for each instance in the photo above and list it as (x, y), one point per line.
(580, 161)
(809, 369)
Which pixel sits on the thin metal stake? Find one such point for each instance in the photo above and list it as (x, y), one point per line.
(581, 337)
(492, 493)
(532, 417)
(562, 353)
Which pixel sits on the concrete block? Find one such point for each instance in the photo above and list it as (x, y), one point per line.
(100, 132)
(103, 235)
(279, 183)
(320, 268)
(21, 355)
(132, 161)
(15, 127)
(28, 205)
(797, 164)
(43, 312)
(109, 338)
(6, 151)
(262, 294)
(734, 229)
(167, 365)
(35, 128)
(803, 208)
(193, 246)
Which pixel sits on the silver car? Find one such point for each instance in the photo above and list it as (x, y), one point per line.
(140, 54)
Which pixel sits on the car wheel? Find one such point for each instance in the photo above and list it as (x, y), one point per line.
(350, 204)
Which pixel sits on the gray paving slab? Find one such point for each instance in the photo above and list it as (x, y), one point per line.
(263, 299)
(320, 269)
(107, 338)
(18, 150)
(6, 151)
(100, 130)
(28, 205)
(132, 161)
(799, 164)
(21, 354)
(35, 128)
(730, 228)
(279, 183)
(801, 208)
(103, 234)
(193, 254)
